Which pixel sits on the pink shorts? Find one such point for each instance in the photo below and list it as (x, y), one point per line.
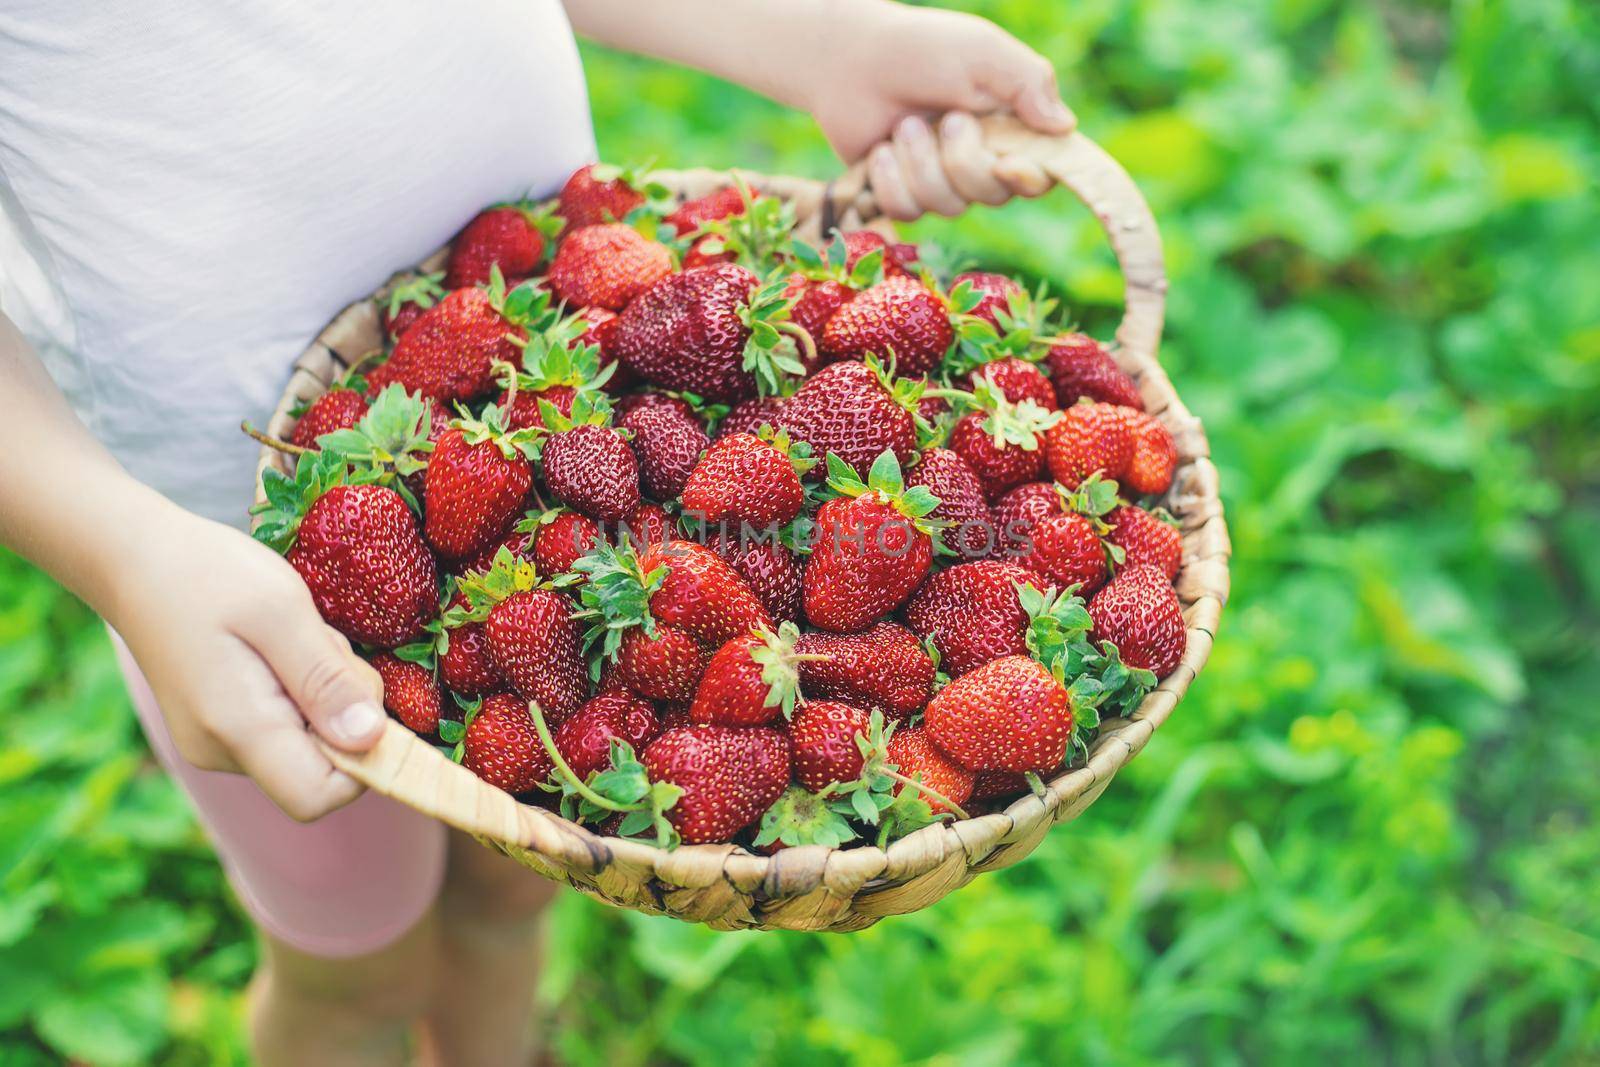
(349, 884)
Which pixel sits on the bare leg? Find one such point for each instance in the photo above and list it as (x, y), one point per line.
(356, 1012)
(482, 1012)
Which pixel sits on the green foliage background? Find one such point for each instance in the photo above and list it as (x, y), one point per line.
(1368, 834)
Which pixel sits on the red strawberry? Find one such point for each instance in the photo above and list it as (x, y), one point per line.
(822, 736)
(1146, 538)
(1017, 380)
(650, 525)
(947, 476)
(702, 594)
(742, 477)
(668, 439)
(337, 409)
(706, 252)
(358, 549)
(668, 666)
(1081, 368)
(502, 747)
(771, 571)
(464, 659)
(696, 330)
(508, 237)
(535, 643)
(598, 193)
(996, 290)
(476, 484)
(1067, 552)
(899, 319)
(1155, 455)
(564, 540)
(749, 681)
(407, 300)
(450, 351)
(729, 777)
(607, 266)
(872, 547)
(896, 257)
(592, 469)
(884, 669)
(815, 301)
(915, 756)
(1007, 715)
(971, 614)
(1016, 514)
(410, 692)
(748, 416)
(854, 410)
(993, 785)
(1089, 438)
(1138, 611)
(601, 329)
(691, 214)
(584, 740)
(517, 542)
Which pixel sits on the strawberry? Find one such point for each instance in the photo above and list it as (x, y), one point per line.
(1080, 368)
(600, 327)
(1138, 611)
(815, 301)
(914, 755)
(563, 539)
(598, 193)
(508, 236)
(750, 680)
(1146, 537)
(707, 251)
(1090, 437)
(407, 300)
(1155, 455)
(556, 366)
(728, 775)
(391, 441)
(607, 266)
(668, 666)
(872, 548)
(450, 351)
(970, 530)
(464, 660)
(410, 693)
(715, 331)
(502, 747)
(897, 258)
(337, 409)
(476, 484)
(587, 464)
(743, 477)
(584, 740)
(692, 214)
(971, 614)
(532, 635)
(822, 737)
(883, 669)
(899, 319)
(677, 583)
(1010, 714)
(1067, 552)
(668, 440)
(1000, 439)
(995, 291)
(357, 547)
(855, 410)
(748, 416)
(517, 541)
(995, 785)
(649, 525)
(771, 571)
(1016, 514)
(1017, 380)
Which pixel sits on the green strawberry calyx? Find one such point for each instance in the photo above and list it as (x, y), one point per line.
(799, 452)
(1025, 331)
(833, 263)
(453, 732)
(801, 817)
(390, 440)
(508, 575)
(774, 653)
(616, 598)
(1009, 424)
(758, 236)
(886, 485)
(525, 305)
(490, 428)
(541, 216)
(773, 351)
(624, 787)
(423, 290)
(290, 497)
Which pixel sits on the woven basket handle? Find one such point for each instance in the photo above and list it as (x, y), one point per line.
(1073, 161)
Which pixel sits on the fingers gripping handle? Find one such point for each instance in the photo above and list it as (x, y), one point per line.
(1081, 165)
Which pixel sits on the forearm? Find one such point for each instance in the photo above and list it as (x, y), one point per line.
(65, 503)
(769, 46)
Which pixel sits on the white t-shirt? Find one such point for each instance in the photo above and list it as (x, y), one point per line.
(190, 190)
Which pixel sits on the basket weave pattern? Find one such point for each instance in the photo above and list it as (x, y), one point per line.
(812, 887)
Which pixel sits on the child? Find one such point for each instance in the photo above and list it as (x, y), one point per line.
(189, 194)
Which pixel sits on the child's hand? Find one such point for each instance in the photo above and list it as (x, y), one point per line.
(891, 67)
(240, 661)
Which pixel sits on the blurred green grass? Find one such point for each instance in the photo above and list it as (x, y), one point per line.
(1369, 832)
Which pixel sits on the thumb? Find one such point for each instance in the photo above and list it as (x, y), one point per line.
(338, 693)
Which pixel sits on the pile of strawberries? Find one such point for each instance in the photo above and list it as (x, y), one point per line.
(656, 514)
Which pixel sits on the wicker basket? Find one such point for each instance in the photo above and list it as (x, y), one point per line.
(812, 887)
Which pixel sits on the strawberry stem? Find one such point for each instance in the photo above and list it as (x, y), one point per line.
(801, 335)
(954, 808)
(273, 442)
(564, 769)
